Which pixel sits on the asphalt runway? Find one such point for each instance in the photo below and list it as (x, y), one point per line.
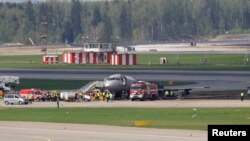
(216, 80)
(23, 131)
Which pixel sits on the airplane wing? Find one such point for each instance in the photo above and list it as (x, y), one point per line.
(185, 90)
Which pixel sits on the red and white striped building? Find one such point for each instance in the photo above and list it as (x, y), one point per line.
(50, 59)
(98, 53)
(76, 57)
(123, 59)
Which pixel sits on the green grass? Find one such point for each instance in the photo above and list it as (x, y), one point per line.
(168, 118)
(144, 61)
(195, 61)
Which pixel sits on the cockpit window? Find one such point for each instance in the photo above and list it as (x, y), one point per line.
(114, 78)
(111, 78)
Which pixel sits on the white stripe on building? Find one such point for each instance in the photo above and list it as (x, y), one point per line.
(69, 58)
(112, 59)
(77, 58)
(84, 58)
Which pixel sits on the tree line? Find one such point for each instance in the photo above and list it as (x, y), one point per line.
(121, 20)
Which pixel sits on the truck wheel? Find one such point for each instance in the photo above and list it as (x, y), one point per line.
(132, 99)
(20, 102)
(6, 102)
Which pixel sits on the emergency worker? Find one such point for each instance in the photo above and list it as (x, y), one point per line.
(30, 98)
(171, 93)
(242, 96)
(103, 96)
(111, 96)
(107, 96)
(166, 93)
(57, 102)
(97, 95)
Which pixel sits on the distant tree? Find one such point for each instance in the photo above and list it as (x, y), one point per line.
(68, 34)
(30, 25)
(126, 22)
(108, 27)
(140, 20)
(75, 18)
(96, 18)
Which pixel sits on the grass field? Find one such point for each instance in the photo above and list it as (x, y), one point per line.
(169, 118)
(144, 61)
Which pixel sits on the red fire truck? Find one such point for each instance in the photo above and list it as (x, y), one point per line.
(143, 90)
(36, 93)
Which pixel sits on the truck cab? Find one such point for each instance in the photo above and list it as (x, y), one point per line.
(143, 90)
(36, 93)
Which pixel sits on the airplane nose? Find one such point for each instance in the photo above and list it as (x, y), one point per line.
(111, 85)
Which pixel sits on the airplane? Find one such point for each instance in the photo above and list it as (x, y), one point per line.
(118, 84)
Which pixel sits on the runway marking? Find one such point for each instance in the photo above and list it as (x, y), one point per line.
(108, 133)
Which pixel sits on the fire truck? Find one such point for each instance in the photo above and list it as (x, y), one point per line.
(36, 93)
(143, 90)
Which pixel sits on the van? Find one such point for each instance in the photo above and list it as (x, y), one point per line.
(14, 99)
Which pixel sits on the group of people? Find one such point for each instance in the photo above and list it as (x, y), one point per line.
(108, 95)
(105, 95)
(163, 60)
(169, 93)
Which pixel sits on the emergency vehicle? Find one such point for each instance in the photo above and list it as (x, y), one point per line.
(36, 93)
(143, 90)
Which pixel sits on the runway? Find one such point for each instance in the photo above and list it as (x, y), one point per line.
(216, 80)
(23, 131)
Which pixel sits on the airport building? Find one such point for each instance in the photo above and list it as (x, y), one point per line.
(99, 53)
(50, 59)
